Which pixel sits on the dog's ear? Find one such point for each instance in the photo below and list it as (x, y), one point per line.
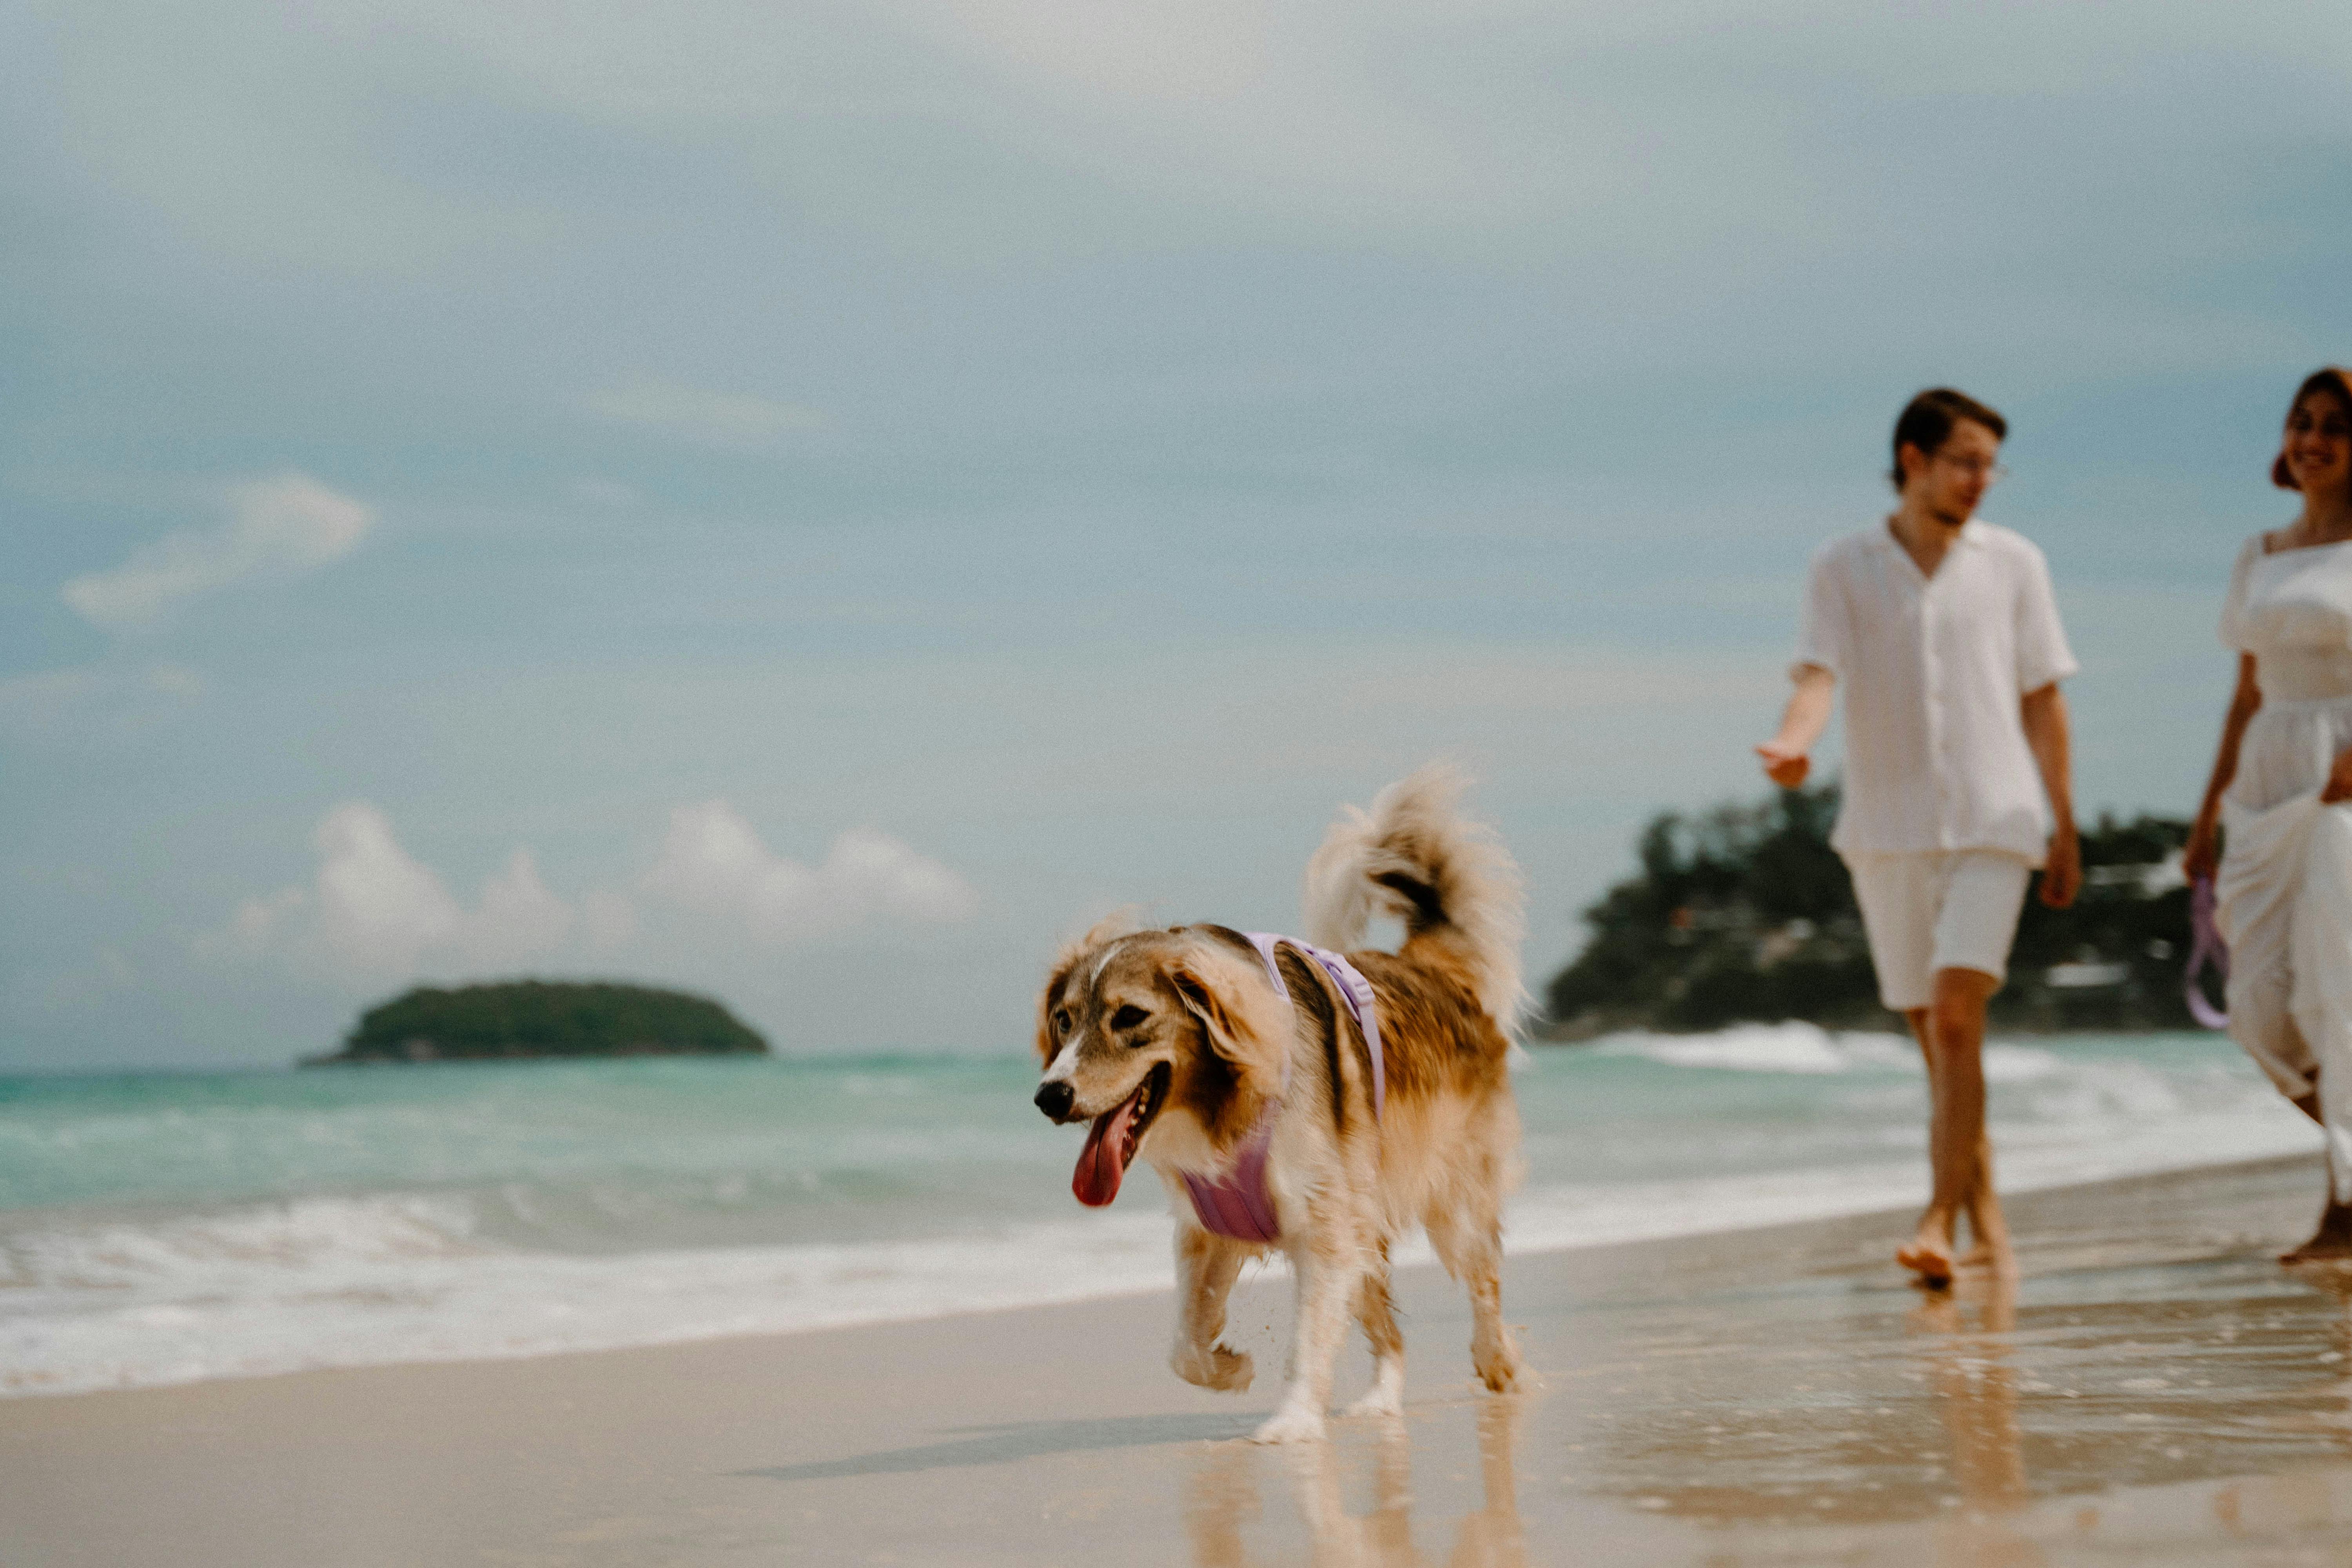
(1245, 1022)
(1049, 1046)
(1110, 929)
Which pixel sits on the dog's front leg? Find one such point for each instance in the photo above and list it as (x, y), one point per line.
(1378, 1315)
(1327, 1267)
(1206, 1266)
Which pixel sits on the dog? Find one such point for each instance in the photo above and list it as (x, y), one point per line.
(1322, 1116)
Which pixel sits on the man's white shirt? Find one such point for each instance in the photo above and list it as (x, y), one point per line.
(1935, 756)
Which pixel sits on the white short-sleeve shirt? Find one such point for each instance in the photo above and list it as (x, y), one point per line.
(1932, 668)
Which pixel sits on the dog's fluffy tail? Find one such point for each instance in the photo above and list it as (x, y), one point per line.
(1416, 855)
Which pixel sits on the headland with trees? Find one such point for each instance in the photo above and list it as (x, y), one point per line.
(1746, 914)
(527, 1019)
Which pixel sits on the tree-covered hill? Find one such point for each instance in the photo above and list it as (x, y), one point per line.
(543, 1019)
(1747, 913)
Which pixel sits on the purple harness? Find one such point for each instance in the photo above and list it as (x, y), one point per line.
(1236, 1204)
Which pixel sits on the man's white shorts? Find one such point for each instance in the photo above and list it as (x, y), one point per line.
(1937, 909)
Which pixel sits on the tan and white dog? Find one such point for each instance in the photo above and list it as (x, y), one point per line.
(1171, 1043)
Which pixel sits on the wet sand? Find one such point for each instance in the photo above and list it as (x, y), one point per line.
(2158, 1390)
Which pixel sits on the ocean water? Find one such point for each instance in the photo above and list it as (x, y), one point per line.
(160, 1228)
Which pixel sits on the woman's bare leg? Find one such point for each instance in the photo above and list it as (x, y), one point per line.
(2333, 1239)
(2321, 1002)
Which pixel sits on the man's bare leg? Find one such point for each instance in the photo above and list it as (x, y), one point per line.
(1957, 1139)
(1987, 1224)
(1987, 1227)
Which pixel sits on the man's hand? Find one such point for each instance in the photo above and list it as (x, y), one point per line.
(1785, 760)
(2339, 780)
(1786, 765)
(2061, 873)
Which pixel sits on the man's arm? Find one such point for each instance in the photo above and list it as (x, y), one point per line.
(1786, 762)
(2043, 713)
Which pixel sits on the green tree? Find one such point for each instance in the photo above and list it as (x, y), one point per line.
(1745, 913)
(544, 1018)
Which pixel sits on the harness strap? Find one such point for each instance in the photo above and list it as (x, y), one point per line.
(1236, 1204)
(1354, 990)
(2206, 948)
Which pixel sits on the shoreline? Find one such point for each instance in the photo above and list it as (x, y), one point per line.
(1694, 1397)
(738, 1284)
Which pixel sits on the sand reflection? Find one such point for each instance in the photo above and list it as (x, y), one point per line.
(1223, 1495)
(1976, 1387)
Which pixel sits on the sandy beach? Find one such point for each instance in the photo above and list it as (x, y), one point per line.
(2158, 1390)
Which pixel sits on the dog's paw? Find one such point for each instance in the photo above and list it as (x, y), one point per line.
(1216, 1368)
(1497, 1363)
(1386, 1397)
(1290, 1426)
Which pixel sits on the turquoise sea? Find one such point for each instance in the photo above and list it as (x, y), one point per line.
(161, 1228)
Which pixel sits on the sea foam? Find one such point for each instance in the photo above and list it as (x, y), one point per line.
(1640, 1137)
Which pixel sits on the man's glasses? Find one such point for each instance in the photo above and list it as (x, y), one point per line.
(1977, 469)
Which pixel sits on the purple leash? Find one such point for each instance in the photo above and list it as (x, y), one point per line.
(1236, 1204)
(2206, 946)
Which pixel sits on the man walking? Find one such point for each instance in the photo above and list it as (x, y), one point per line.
(1957, 782)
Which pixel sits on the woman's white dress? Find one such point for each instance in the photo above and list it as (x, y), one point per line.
(2285, 889)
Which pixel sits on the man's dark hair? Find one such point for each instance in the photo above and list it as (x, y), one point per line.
(1927, 420)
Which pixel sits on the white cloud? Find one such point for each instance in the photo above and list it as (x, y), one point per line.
(374, 914)
(705, 417)
(377, 907)
(276, 527)
(713, 862)
(519, 919)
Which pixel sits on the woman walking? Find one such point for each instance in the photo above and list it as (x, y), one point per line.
(2283, 787)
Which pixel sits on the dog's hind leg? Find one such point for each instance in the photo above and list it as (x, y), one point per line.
(1206, 1267)
(1329, 1267)
(1374, 1311)
(1470, 1245)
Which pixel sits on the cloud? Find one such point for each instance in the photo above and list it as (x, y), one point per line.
(276, 527)
(713, 862)
(704, 417)
(374, 914)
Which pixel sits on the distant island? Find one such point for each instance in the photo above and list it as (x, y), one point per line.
(526, 1018)
(1746, 914)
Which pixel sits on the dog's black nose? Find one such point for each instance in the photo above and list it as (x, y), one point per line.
(1056, 1100)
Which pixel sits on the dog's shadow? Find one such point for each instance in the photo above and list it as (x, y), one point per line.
(997, 1445)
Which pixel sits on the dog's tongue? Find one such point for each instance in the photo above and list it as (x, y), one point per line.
(1103, 1160)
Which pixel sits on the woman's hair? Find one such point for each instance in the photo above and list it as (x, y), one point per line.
(1927, 423)
(2327, 378)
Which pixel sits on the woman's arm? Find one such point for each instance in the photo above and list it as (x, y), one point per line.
(2199, 859)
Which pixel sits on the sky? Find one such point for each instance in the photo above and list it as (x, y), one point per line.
(815, 504)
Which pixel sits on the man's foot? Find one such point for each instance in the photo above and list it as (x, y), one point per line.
(2331, 1242)
(1987, 1257)
(1929, 1255)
